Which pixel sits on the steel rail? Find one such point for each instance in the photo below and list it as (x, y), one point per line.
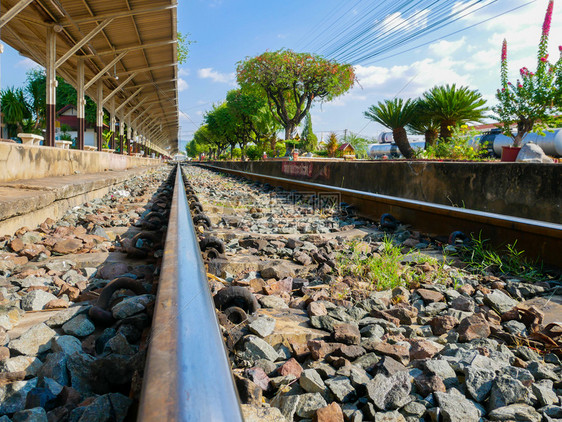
(187, 374)
(539, 239)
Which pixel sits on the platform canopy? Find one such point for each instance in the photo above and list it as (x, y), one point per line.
(128, 46)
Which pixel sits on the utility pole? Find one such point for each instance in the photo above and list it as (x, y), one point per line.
(345, 135)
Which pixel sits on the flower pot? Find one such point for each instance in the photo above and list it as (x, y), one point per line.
(509, 154)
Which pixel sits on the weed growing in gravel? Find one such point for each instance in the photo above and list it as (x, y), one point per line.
(384, 269)
(481, 258)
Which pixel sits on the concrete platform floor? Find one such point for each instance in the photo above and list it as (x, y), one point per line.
(30, 202)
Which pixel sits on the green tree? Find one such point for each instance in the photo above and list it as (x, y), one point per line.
(359, 144)
(245, 109)
(15, 109)
(183, 47)
(292, 81)
(423, 123)
(537, 97)
(309, 140)
(220, 123)
(395, 114)
(452, 106)
(332, 145)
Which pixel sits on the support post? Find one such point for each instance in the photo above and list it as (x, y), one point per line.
(121, 135)
(99, 116)
(80, 104)
(129, 134)
(51, 82)
(112, 123)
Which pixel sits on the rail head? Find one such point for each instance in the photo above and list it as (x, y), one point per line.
(187, 374)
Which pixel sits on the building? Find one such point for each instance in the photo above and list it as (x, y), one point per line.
(68, 116)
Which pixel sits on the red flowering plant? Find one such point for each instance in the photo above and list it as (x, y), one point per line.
(533, 102)
(292, 81)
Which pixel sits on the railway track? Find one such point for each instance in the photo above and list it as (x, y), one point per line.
(541, 240)
(260, 312)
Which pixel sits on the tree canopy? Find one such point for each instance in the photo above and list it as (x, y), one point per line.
(292, 81)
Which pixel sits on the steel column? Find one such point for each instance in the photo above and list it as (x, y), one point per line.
(51, 82)
(99, 116)
(80, 104)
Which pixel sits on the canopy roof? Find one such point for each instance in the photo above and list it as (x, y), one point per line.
(139, 35)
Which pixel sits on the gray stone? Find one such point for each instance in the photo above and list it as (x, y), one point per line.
(36, 300)
(72, 277)
(253, 413)
(273, 301)
(13, 395)
(309, 403)
(80, 368)
(118, 344)
(29, 364)
(479, 382)
(393, 416)
(456, 408)
(37, 414)
(552, 411)
(541, 371)
(131, 306)
(515, 412)
(515, 327)
(66, 344)
(324, 322)
(60, 265)
(341, 388)
(113, 406)
(311, 381)
(66, 315)
(544, 393)
(79, 326)
(359, 377)
(35, 340)
(32, 281)
(520, 374)
(262, 326)
(505, 391)
(55, 367)
(532, 153)
(388, 393)
(499, 301)
(255, 348)
(463, 303)
(414, 408)
(372, 331)
(443, 369)
(287, 405)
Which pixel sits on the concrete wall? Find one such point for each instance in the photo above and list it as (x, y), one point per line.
(19, 161)
(523, 190)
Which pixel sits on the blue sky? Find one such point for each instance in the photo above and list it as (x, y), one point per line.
(227, 31)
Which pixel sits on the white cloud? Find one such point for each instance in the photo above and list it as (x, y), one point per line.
(26, 64)
(184, 71)
(410, 80)
(446, 48)
(209, 73)
(395, 21)
(182, 85)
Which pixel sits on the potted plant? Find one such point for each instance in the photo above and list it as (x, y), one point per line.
(533, 101)
(106, 141)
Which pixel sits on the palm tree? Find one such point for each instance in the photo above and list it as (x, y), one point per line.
(424, 124)
(452, 106)
(14, 109)
(395, 114)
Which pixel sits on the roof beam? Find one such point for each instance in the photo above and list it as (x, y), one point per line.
(117, 15)
(18, 7)
(119, 88)
(124, 103)
(105, 69)
(83, 42)
(132, 48)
